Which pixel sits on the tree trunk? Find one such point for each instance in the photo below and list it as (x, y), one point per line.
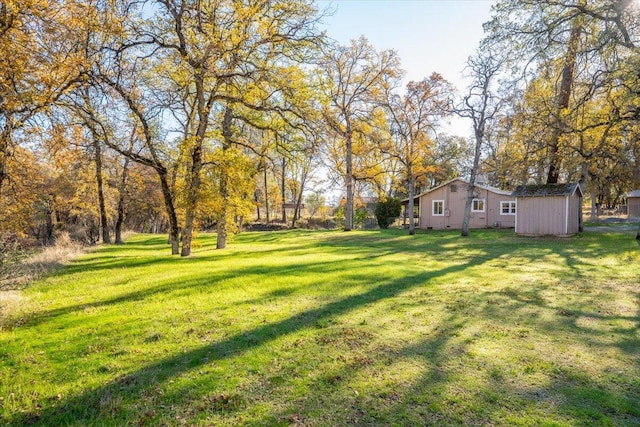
(257, 202)
(467, 207)
(410, 207)
(348, 208)
(594, 206)
(479, 135)
(50, 222)
(584, 172)
(194, 178)
(564, 96)
(120, 221)
(294, 198)
(5, 137)
(222, 228)
(174, 230)
(153, 161)
(122, 191)
(266, 193)
(193, 187)
(296, 212)
(3, 172)
(283, 191)
(106, 238)
(222, 235)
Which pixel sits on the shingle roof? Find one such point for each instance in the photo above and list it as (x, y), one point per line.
(465, 181)
(542, 190)
(634, 193)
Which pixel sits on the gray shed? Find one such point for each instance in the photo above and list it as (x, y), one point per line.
(548, 209)
(633, 204)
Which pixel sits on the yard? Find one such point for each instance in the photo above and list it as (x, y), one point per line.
(329, 328)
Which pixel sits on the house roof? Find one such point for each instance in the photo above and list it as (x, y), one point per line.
(634, 193)
(483, 187)
(369, 200)
(545, 190)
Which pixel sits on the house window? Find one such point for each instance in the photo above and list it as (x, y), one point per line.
(477, 205)
(454, 188)
(438, 208)
(507, 208)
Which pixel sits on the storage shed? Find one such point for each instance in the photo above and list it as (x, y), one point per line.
(633, 204)
(549, 209)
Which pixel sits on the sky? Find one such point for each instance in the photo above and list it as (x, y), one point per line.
(429, 35)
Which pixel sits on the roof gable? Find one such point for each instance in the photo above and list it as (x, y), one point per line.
(464, 181)
(546, 190)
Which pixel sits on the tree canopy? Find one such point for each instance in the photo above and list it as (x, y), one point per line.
(175, 116)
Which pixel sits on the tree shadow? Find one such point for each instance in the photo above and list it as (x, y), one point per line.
(427, 400)
(204, 281)
(569, 393)
(543, 388)
(85, 408)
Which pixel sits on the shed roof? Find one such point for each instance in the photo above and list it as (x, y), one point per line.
(634, 193)
(544, 190)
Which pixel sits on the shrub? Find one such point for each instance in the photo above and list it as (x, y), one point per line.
(360, 216)
(387, 211)
(338, 217)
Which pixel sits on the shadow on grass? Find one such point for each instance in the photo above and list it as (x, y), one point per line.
(360, 248)
(414, 402)
(543, 388)
(203, 281)
(570, 393)
(85, 408)
(151, 253)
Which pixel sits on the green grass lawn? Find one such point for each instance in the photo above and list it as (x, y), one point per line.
(330, 329)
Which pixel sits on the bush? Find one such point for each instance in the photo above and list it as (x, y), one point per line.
(387, 211)
(338, 217)
(360, 216)
(316, 223)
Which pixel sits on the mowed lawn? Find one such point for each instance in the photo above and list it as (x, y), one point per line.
(330, 329)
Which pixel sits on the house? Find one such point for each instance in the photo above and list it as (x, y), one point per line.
(633, 204)
(442, 207)
(548, 209)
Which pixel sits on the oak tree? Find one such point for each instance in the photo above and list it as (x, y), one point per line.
(354, 76)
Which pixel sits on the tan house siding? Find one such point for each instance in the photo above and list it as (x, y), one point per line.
(546, 215)
(496, 217)
(548, 209)
(453, 195)
(573, 221)
(633, 206)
